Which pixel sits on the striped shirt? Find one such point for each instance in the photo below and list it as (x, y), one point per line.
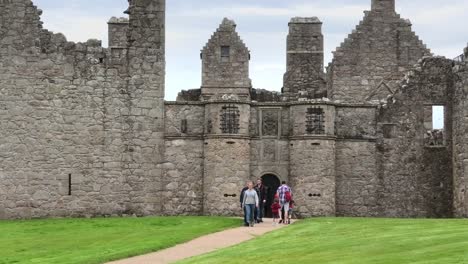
(282, 192)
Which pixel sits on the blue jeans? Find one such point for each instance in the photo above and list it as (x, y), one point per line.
(259, 212)
(245, 216)
(249, 213)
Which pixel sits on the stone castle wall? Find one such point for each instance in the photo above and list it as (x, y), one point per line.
(460, 132)
(417, 176)
(85, 130)
(71, 111)
(357, 181)
(183, 157)
(226, 170)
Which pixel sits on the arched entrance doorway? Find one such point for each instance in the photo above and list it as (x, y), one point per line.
(272, 183)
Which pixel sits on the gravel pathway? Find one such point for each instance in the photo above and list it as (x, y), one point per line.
(203, 244)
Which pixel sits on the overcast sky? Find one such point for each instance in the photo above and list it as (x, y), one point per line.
(262, 24)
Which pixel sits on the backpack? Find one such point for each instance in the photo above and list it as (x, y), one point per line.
(287, 197)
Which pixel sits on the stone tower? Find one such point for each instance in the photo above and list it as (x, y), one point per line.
(304, 76)
(225, 63)
(226, 90)
(312, 158)
(146, 71)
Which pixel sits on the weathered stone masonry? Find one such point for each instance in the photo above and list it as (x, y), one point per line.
(81, 112)
(85, 131)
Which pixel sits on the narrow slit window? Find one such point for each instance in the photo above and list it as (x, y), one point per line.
(434, 124)
(183, 126)
(69, 184)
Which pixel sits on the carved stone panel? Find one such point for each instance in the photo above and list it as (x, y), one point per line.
(270, 122)
(269, 150)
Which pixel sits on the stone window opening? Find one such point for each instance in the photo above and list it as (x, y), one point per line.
(434, 124)
(230, 119)
(69, 184)
(389, 130)
(315, 121)
(183, 126)
(225, 53)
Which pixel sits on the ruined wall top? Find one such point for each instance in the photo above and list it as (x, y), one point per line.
(147, 22)
(305, 20)
(386, 6)
(118, 20)
(465, 51)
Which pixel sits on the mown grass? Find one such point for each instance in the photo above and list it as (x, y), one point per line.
(354, 241)
(99, 240)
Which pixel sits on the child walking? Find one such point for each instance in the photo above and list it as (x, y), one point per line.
(275, 207)
(290, 212)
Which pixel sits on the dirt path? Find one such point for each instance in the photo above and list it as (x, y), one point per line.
(203, 244)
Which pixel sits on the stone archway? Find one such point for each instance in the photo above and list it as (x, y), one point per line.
(271, 182)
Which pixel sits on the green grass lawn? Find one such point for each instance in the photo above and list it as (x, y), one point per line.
(68, 241)
(354, 240)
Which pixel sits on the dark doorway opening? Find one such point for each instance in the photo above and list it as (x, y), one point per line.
(271, 183)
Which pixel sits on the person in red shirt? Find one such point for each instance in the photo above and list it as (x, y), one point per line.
(275, 208)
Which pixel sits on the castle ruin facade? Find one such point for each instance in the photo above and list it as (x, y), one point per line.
(85, 130)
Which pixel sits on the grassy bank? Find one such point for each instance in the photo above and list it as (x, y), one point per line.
(99, 240)
(354, 241)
